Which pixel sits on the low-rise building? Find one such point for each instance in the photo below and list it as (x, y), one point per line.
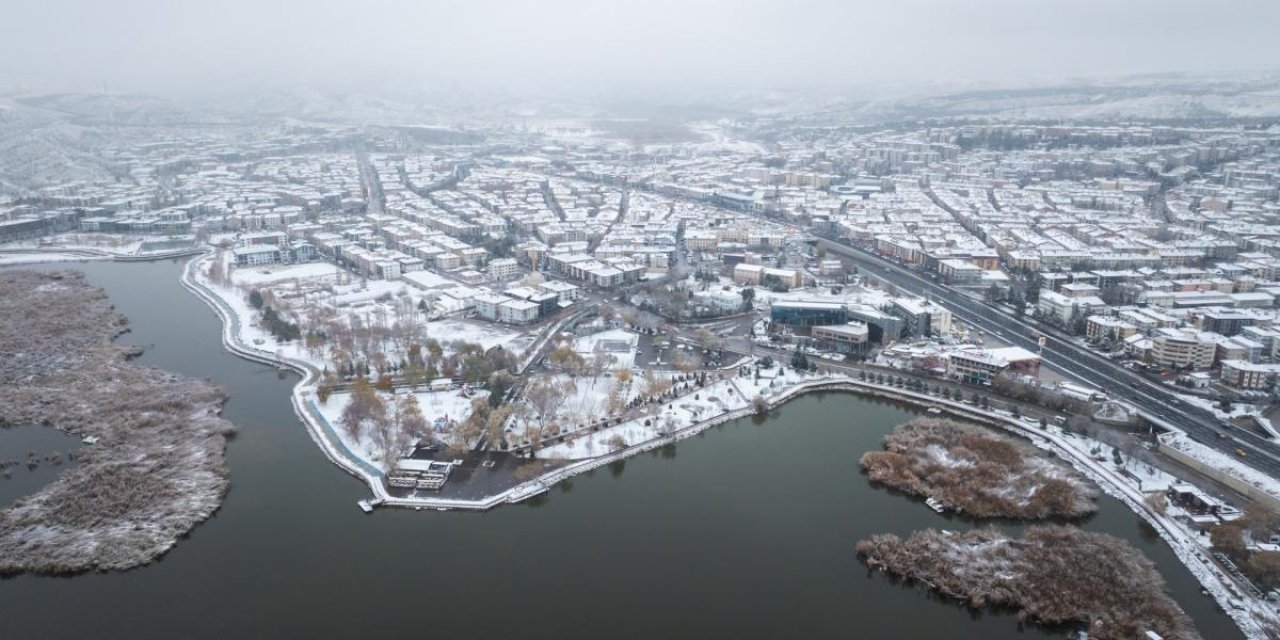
(1242, 374)
(755, 274)
(848, 338)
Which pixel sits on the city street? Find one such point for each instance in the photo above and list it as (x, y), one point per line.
(1158, 405)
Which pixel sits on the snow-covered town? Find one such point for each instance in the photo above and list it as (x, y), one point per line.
(473, 328)
(1066, 297)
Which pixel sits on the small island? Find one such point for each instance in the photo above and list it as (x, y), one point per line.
(1053, 575)
(978, 472)
(153, 466)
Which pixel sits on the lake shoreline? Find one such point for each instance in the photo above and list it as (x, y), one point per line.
(153, 466)
(1183, 546)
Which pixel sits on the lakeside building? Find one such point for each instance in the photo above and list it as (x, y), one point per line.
(848, 338)
(803, 314)
(882, 328)
(981, 366)
(256, 255)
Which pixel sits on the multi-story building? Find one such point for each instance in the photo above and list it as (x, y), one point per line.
(1178, 349)
(1247, 375)
(883, 328)
(921, 318)
(256, 254)
(983, 365)
(563, 290)
(1108, 328)
(503, 268)
(518, 312)
(846, 338)
(802, 314)
(975, 365)
(960, 273)
(755, 274)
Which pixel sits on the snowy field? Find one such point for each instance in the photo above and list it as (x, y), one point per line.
(617, 346)
(312, 271)
(717, 398)
(482, 333)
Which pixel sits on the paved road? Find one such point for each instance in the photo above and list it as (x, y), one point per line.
(1068, 358)
(1073, 360)
(369, 180)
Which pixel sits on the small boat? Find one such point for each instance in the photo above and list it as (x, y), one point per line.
(933, 503)
(366, 506)
(935, 410)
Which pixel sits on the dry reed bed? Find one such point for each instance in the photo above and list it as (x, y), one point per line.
(1053, 574)
(979, 472)
(158, 468)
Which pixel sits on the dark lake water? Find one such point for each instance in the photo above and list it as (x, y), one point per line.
(746, 531)
(17, 477)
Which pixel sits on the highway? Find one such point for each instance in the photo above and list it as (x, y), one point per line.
(1073, 361)
(1080, 364)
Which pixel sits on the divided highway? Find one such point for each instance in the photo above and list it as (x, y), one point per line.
(1160, 405)
(1074, 361)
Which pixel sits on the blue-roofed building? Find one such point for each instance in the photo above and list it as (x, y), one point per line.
(807, 314)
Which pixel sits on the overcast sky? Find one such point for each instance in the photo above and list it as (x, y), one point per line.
(177, 47)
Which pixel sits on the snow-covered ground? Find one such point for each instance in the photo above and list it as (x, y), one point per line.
(485, 334)
(311, 271)
(443, 410)
(9, 259)
(617, 346)
(302, 288)
(718, 398)
(1223, 463)
(1238, 409)
(106, 242)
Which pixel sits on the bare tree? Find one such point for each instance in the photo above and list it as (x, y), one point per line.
(687, 362)
(412, 422)
(545, 396)
(653, 385)
(760, 405)
(497, 419)
(364, 407)
(1155, 502)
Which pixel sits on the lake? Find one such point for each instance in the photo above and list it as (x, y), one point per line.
(747, 530)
